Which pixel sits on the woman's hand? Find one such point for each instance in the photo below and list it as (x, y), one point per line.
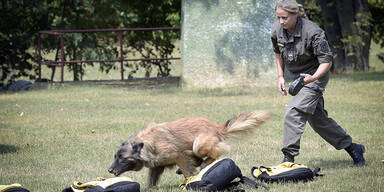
(321, 71)
(308, 78)
(281, 85)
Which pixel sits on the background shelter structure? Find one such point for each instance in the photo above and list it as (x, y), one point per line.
(227, 43)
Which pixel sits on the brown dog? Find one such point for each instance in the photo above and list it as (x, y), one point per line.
(187, 143)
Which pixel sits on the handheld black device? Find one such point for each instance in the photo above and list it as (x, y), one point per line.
(296, 86)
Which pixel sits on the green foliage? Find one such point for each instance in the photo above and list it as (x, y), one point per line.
(313, 11)
(363, 21)
(348, 27)
(21, 20)
(377, 10)
(152, 13)
(362, 25)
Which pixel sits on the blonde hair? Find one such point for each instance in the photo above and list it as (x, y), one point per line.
(291, 6)
(302, 11)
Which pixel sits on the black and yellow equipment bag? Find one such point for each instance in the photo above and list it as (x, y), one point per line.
(12, 188)
(285, 172)
(116, 184)
(221, 175)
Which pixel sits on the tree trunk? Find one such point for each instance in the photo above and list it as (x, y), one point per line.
(366, 31)
(349, 34)
(346, 17)
(76, 67)
(333, 32)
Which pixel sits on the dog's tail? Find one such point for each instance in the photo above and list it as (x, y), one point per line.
(244, 124)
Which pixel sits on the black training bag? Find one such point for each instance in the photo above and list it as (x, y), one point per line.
(285, 172)
(219, 176)
(16, 187)
(116, 184)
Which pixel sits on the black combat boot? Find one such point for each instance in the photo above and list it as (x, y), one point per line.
(288, 158)
(356, 152)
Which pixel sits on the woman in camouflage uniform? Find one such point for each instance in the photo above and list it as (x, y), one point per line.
(301, 46)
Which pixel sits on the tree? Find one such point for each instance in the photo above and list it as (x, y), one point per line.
(152, 13)
(347, 25)
(377, 9)
(87, 14)
(21, 20)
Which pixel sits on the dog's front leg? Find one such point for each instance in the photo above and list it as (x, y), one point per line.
(154, 175)
(191, 160)
(187, 165)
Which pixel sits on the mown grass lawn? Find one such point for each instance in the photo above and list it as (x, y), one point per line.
(52, 137)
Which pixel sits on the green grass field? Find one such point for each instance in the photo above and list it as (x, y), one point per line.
(47, 142)
(52, 137)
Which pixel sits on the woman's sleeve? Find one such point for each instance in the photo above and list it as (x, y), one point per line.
(274, 39)
(321, 47)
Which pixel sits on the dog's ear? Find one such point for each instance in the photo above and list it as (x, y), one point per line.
(136, 149)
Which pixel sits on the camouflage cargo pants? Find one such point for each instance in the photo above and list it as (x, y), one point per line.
(308, 105)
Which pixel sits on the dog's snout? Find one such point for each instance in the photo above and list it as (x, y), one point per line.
(110, 170)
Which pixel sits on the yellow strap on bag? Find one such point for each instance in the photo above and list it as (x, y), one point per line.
(190, 179)
(275, 170)
(220, 175)
(102, 182)
(6, 187)
(284, 172)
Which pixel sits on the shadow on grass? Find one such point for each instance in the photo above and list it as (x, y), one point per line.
(8, 149)
(165, 187)
(236, 91)
(331, 164)
(137, 83)
(361, 76)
